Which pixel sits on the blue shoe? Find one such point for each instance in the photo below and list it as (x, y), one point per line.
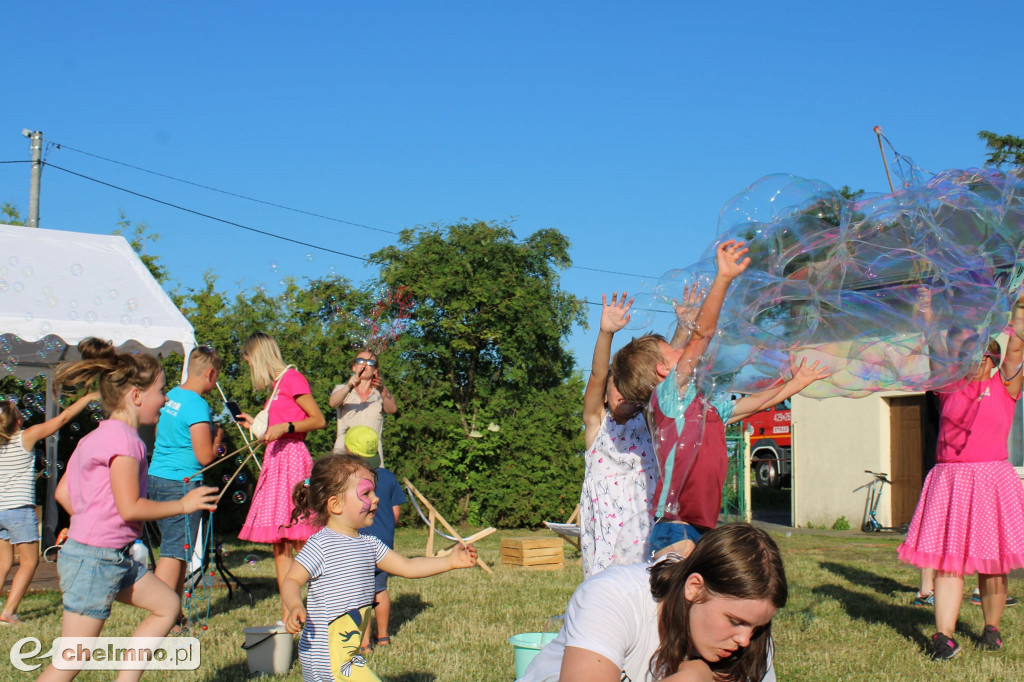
(976, 599)
(920, 600)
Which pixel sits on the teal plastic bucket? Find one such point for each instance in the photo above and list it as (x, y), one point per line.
(526, 646)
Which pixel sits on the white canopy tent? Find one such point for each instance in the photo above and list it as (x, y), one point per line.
(57, 288)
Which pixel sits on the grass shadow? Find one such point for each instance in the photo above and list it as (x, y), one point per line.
(410, 677)
(858, 576)
(405, 609)
(910, 622)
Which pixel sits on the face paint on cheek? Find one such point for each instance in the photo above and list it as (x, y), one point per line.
(364, 487)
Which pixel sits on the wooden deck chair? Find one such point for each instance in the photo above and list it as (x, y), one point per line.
(570, 530)
(433, 517)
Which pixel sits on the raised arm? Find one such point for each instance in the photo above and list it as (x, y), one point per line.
(686, 314)
(731, 263)
(34, 434)
(803, 376)
(1014, 356)
(614, 316)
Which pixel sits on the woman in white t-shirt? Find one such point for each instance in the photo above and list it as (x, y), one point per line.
(706, 617)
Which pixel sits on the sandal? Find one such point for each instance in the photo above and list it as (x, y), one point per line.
(382, 641)
(365, 650)
(180, 625)
(9, 619)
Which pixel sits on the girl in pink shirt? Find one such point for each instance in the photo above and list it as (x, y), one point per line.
(970, 518)
(292, 413)
(104, 490)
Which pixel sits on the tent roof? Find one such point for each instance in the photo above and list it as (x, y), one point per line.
(57, 288)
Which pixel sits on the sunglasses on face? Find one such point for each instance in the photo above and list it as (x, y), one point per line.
(365, 361)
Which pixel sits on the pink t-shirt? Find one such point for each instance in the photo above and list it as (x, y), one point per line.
(96, 521)
(975, 422)
(284, 409)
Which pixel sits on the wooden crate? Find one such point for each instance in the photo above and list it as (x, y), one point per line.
(539, 554)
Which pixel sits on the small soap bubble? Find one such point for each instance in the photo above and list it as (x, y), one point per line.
(75, 427)
(13, 260)
(29, 317)
(47, 291)
(18, 287)
(239, 459)
(239, 497)
(131, 304)
(147, 322)
(3, 285)
(97, 300)
(27, 271)
(76, 269)
(113, 294)
(90, 317)
(274, 266)
(126, 320)
(73, 303)
(72, 314)
(221, 449)
(96, 417)
(225, 478)
(52, 301)
(242, 478)
(310, 258)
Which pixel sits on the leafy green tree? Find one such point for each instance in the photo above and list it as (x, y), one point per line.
(489, 421)
(1003, 149)
(10, 215)
(138, 235)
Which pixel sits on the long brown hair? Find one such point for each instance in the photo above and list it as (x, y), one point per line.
(116, 375)
(330, 477)
(735, 560)
(10, 418)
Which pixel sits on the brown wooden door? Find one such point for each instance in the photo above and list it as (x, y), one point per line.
(907, 419)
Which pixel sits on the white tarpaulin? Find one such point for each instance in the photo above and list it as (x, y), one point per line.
(72, 286)
(57, 288)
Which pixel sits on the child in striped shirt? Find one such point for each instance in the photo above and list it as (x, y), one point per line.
(338, 563)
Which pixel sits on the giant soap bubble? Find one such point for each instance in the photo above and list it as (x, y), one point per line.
(840, 280)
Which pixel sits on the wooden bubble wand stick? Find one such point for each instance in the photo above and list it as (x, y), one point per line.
(237, 471)
(878, 134)
(227, 457)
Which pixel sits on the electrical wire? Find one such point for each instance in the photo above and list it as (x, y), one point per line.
(207, 215)
(60, 145)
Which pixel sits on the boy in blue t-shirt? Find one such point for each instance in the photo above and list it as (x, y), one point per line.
(185, 443)
(362, 441)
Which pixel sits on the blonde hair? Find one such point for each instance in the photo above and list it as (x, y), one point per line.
(635, 367)
(116, 374)
(264, 358)
(203, 357)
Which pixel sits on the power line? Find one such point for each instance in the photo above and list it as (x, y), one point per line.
(60, 145)
(207, 215)
(24, 161)
(222, 191)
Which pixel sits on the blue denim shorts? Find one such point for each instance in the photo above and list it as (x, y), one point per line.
(91, 577)
(670, 532)
(19, 525)
(175, 531)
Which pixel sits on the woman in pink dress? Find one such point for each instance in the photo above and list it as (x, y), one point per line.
(292, 414)
(970, 517)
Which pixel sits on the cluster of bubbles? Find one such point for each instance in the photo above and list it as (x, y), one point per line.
(842, 281)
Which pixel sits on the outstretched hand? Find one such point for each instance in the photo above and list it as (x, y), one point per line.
(805, 375)
(614, 315)
(729, 258)
(463, 556)
(687, 309)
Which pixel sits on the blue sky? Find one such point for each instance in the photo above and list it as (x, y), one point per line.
(626, 126)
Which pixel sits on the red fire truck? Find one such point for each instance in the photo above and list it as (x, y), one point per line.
(770, 445)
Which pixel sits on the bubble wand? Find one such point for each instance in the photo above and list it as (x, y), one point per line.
(881, 150)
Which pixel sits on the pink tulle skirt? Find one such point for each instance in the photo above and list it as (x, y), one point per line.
(286, 462)
(970, 518)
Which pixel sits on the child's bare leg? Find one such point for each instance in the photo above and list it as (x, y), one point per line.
(6, 560)
(282, 563)
(949, 592)
(993, 590)
(72, 625)
(927, 581)
(171, 572)
(28, 559)
(153, 595)
(382, 613)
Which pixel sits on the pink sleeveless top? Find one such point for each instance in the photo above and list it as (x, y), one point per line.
(975, 422)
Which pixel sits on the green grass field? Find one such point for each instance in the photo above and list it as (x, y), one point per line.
(849, 618)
